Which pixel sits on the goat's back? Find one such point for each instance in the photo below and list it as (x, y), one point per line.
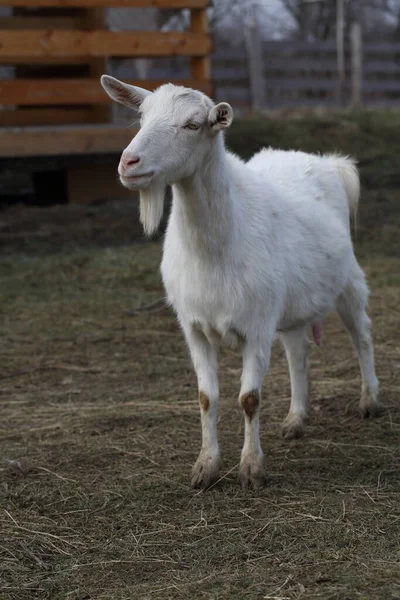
(309, 178)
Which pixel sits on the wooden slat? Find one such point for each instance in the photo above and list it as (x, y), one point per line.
(10, 23)
(382, 48)
(21, 46)
(381, 67)
(48, 60)
(282, 47)
(200, 67)
(45, 141)
(302, 84)
(37, 92)
(114, 3)
(295, 65)
(381, 86)
(300, 50)
(292, 63)
(96, 19)
(45, 116)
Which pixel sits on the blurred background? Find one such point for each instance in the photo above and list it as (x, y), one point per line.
(272, 54)
(265, 57)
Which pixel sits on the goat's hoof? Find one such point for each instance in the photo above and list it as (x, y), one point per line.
(370, 407)
(205, 470)
(371, 410)
(252, 472)
(293, 427)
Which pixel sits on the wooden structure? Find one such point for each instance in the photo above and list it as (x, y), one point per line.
(297, 73)
(54, 104)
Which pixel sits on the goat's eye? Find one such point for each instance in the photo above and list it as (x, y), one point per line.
(191, 126)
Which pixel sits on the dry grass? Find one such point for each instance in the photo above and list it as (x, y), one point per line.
(100, 428)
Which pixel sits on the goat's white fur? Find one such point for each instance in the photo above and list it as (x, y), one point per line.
(251, 250)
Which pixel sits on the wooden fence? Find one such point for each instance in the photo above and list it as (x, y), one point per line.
(284, 74)
(279, 74)
(58, 49)
(296, 73)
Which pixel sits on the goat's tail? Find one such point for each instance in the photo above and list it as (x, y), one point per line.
(350, 180)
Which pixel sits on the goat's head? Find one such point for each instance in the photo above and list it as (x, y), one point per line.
(177, 125)
(177, 128)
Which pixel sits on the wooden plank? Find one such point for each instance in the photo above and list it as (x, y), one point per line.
(96, 19)
(45, 141)
(303, 102)
(37, 22)
(48, 60)
(293, 63)
(297, 49)
(229, 54)
(324, 64)
(302, 84)
(21, 46)
(380, 67)
(114, 3)
(282, 47)
(200, 67)
(381, 86)
(37, 92)
(233, 94)
(382, 48)
(45, 116)
(222, 73)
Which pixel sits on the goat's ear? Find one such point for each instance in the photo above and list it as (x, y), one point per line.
(220, 116)
(123, 93)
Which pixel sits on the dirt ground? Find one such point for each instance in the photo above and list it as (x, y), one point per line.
(100, 420)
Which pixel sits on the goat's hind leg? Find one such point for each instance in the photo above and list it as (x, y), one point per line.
(206, 469)
(351, 306)
(296, 347)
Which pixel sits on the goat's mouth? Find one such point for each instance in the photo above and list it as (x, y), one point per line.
(137, 181)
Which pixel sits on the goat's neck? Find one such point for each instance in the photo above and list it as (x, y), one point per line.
(203, 204)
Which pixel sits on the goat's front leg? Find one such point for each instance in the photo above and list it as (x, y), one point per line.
(205, 360)
(255, 366)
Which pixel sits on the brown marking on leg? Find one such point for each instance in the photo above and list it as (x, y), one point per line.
(204, 401)
(250, 403)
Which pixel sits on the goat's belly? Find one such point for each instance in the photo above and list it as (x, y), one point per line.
(226, 335)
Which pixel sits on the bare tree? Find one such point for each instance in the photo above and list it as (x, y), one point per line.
(316, 19)
(379, 18)
(304, 19)
(226, 18)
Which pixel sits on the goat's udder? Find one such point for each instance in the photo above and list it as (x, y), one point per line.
(317, 332)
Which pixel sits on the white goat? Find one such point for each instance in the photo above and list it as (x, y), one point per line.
(252, 250)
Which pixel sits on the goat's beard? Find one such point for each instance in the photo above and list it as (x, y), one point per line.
(152, 207)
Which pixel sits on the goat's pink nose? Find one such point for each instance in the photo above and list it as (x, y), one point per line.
(129, 159)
